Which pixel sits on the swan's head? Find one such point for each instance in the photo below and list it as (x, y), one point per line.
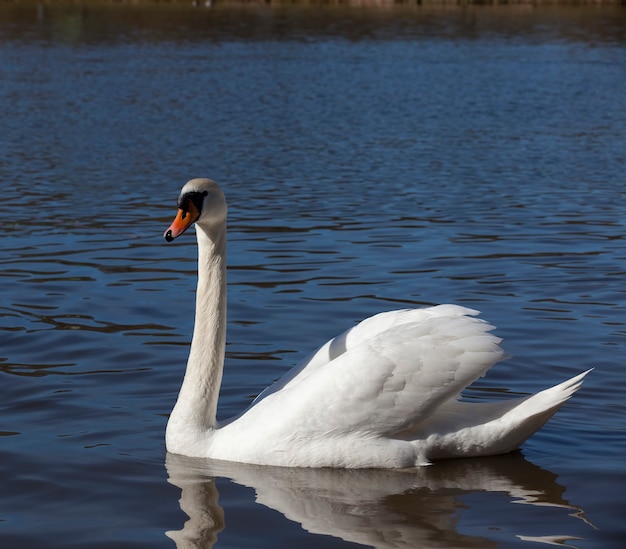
(200, 201)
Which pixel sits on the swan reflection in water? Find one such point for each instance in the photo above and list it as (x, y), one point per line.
(384, 508)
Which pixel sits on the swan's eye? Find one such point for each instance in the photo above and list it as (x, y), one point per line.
(196, 199)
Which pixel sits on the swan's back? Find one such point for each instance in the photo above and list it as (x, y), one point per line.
(355, 399)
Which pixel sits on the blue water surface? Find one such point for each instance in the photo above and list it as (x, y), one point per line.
(373, 159)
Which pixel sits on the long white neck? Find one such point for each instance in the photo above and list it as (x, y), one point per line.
(195, 411)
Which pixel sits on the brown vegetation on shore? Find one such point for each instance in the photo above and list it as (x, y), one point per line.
(351, 3)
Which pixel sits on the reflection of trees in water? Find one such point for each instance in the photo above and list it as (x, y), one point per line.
(425, 507)
(146, 20)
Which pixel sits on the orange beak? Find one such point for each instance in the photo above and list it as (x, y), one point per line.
(183, 220)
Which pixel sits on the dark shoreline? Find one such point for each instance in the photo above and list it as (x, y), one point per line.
(76, 20)
(385, 4)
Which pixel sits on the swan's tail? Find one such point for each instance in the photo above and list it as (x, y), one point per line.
(549, 400)
(492, 428)
(523, 420)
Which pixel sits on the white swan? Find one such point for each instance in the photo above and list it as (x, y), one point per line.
(382, 394)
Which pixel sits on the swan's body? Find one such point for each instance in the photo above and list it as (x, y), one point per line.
(382, 394)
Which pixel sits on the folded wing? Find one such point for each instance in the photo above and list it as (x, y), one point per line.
(384, 375)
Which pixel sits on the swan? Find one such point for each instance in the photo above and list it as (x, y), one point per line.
(383, 394)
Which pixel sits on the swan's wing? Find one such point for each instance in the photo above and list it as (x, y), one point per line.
(365, 330)
(386, 383)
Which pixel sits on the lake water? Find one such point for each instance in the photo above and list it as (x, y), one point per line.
(373, 159)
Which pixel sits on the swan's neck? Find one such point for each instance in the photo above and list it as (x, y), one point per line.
(195, 411)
